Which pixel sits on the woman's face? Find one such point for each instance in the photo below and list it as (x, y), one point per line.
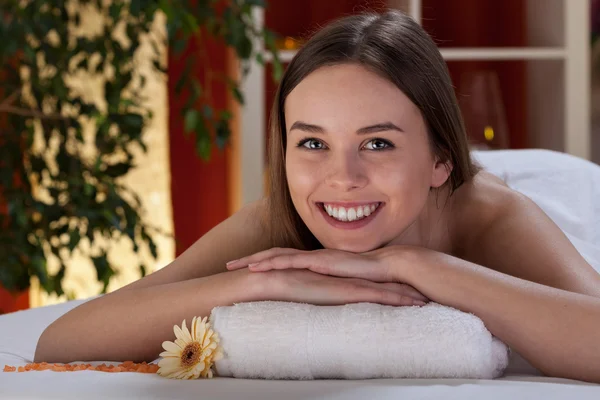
(358, 161)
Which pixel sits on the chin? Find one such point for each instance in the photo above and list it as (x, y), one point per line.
(351, 247)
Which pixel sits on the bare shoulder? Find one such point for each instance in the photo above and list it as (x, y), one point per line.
(502, 229)
(476, 205)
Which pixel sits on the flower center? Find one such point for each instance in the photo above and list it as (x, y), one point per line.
(191, 354)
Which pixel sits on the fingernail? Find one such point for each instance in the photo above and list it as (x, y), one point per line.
(230, 262)
(252, 265)
(418, 303)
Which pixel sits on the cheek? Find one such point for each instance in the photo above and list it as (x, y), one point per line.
(302, 176)
(406, 183)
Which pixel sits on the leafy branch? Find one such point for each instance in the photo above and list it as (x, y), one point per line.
(56, 198)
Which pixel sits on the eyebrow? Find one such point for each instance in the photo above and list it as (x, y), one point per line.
(384, 126)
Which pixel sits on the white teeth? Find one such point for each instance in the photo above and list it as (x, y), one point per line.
(350, 213)
(367, 211)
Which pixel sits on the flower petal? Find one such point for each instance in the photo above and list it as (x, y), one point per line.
(181, 343)
(187, 336)
(207, 337)
(170, 361)
(193, 328)
(185, 374)
(218, 355)
(178, 333)
(172, 347)
(168, 354)
(165, 371)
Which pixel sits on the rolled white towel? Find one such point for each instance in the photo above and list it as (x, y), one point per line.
(282, 340)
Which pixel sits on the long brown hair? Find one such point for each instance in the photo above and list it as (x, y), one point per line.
(394, 46)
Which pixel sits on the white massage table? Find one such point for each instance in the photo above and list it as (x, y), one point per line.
(524, 170)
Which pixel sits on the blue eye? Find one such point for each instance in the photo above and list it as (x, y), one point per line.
(312, 144)
(378, 144)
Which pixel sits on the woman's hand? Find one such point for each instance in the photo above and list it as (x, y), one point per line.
(375, 266)
(304, 286)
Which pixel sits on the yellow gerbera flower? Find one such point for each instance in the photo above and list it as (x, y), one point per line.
(192, 354)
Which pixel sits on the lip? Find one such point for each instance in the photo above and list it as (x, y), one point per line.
(349, 225)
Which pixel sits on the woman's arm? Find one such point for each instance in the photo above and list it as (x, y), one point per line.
(555, 330)
(116, 326)
(241, 234)
(536, 292)
(132, 324)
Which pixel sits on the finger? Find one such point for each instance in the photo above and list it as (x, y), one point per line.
(258, 257)
(283, 261)
(406, 289)
(326, 263)
(312, 260)
(389, 297)
(401, 288)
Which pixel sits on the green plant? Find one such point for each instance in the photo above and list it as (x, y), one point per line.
(56, 197)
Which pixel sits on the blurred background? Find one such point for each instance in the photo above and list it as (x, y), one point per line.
(130, 128)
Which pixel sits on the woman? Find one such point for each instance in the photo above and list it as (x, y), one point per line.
(374, 198)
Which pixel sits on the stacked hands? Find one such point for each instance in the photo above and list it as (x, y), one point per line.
(333, 277)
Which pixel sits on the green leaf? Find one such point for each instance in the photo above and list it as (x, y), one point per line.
(237, 93)
(203, 144)
(244, 47)
(191, 120)
(184, 78)
(151, 244)
(157, 66)
(258, 3)
(135, 7)
(153, 249)
(225, 115)
(179, 46)
(135, 121)
(74, 238)
(117, 170)
(115, 10)
(38, 266)
(207, 111)
(196, 88)
(190, 23)
(277, 70)
(260, 59)
(222, 134)
(103, 270)
(56, 280)
(88, 189)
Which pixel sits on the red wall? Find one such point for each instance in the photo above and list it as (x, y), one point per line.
(469, 23)
(198, 189)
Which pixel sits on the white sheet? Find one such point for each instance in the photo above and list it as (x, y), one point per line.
(567, 188)
(574, 209)
(19, 333)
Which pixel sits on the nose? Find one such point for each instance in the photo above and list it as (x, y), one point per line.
(346, 173)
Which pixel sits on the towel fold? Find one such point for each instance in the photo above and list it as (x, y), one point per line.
(282, 340)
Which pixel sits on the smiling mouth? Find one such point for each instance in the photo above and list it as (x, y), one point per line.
(350, 214)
